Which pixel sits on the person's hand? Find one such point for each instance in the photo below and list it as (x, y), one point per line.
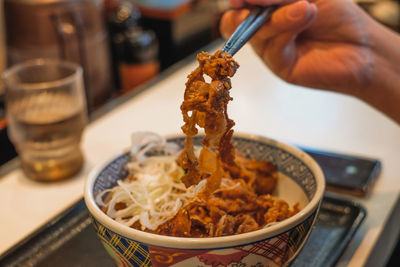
(321, 44)
(327, 44)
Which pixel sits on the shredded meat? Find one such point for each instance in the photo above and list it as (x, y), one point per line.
(240, 204)
(228, 211)
(205, 104)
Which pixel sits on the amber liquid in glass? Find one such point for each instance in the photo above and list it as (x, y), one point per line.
(48, 132)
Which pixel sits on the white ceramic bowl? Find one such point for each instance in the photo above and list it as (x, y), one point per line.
(300, 180)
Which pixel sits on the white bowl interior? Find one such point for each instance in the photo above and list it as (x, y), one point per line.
(290, 191)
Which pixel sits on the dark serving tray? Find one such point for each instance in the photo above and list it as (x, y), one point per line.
(69, 240)
(336, 224)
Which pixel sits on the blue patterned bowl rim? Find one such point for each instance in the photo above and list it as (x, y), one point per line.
(212, 242)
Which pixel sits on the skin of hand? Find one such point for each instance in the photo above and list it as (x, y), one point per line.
(327, 44)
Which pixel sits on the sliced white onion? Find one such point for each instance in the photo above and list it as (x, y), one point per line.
(156, 192)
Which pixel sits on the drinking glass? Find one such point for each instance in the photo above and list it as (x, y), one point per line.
(46, 113)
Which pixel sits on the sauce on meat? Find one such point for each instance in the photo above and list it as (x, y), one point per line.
(234, 191)
(236, 198)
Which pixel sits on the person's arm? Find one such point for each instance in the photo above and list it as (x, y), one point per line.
(332, 45)
(383, 92)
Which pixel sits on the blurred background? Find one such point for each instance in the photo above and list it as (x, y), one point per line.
(121, 44)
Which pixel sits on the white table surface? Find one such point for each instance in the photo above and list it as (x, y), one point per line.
(262, 105)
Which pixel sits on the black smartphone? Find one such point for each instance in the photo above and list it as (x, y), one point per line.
(346, 173)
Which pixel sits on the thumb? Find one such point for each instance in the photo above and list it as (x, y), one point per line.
(275, 41)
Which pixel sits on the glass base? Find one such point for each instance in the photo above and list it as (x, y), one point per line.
(53, 169)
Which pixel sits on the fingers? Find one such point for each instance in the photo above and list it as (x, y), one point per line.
(292, 18)
(231, 20)
(288, 20)
(243, 3)
(276, 41)
(237, 3)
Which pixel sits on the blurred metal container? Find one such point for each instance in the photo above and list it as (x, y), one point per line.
(71, 30)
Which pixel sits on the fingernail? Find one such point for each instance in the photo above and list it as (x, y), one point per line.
(298, 10)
